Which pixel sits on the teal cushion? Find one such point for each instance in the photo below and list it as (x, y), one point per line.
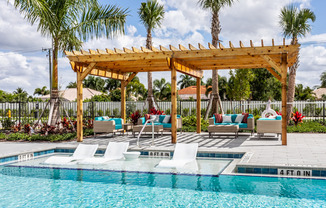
(142, 120)
(117, 120)
(243, 125)
(266, 119)
(118, 126)
(250, 116)
(161, 118)
(98, 119)
(167, 125)
(278, 117)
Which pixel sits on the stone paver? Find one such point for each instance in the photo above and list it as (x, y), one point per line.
(302, 149)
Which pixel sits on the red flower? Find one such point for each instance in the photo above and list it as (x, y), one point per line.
(297, 118)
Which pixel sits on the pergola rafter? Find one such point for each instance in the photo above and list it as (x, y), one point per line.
(126, 63)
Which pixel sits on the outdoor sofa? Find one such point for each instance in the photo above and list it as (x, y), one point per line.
(105, 124)
(231, 126)
(159, 121)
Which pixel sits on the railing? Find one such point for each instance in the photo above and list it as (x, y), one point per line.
(22, 112)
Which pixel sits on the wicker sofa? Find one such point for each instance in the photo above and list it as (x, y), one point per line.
(107, 125)
(215, 127)
(166, 126)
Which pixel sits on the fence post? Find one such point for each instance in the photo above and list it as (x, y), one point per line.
(93, 110)
(19, 111)
(324, 112)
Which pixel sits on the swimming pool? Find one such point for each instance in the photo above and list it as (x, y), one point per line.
(74, 187)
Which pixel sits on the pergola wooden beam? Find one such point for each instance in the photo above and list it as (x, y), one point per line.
(272, 63)
(131, 76)
(88, 69)
(274, 73)
(186, 68)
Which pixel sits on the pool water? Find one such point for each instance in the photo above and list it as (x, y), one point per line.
(55, 187)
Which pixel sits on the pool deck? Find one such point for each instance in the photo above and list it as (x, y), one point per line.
(303, 150)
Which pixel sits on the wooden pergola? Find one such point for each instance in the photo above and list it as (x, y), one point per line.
(124, 65)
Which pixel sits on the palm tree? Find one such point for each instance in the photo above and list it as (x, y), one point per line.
(215, 6)
(186, 81)
(151, 14)
(323, 79)
(222, 85)
(112, 84)
(69, 22)
(294, 23)
(162, 89)
(41, 91)
(20, 94)
(95, 83)
(303, 93)
(136, 89)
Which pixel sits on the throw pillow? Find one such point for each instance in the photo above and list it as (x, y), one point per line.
(166, 119)
(218, 118)
(239, 118)
(106, 117)
(147, 116)
(244, 120)
(226, 119)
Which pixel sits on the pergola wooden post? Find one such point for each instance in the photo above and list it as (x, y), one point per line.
(124, 64)
(79, 107)
(198, 105)
(173, 102)
(123, 100)
(284, 67)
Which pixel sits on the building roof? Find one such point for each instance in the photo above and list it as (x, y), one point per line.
(70, 94)
(190, 91)
(319, 92)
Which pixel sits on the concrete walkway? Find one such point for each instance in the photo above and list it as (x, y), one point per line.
(303, 150)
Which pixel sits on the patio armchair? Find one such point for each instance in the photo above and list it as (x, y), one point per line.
(107, 125)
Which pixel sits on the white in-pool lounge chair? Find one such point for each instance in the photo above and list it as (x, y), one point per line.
(83, 151)
(114, 151)
(183, 154)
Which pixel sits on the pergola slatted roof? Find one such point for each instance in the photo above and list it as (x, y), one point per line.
(124, 64)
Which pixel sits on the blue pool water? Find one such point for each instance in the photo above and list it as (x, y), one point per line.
(52, 187)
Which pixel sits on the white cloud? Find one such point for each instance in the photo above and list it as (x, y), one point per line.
(16, 33)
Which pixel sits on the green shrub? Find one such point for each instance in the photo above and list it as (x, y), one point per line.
(203, 112)
(108, 112)
(7, 123)
(99, 113)
(185, 112)
(116, 112)
(18, 136)
(307, 127)
(168, 111)
(189, 124)
(193, 111)
(3, 136)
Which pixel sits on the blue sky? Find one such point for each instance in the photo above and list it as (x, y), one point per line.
(22, 64)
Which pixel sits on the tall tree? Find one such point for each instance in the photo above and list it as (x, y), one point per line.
(323, 79)
(186, 81)
(294, 23)
(41, 91)
(20, 95)
(151, 14)
(112, 84)
(136, 89)
(304, 94)
(222, 86)
(215, 6)
(162, 89)
(68, 23)
(95, 83)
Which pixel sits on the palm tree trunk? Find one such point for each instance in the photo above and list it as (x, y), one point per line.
(215, 31)
(291, 89)
(55, 114)
(150, 97)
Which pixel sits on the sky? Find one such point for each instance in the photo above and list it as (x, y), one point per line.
(23, 64)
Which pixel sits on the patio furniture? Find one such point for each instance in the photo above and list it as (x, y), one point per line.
(107, 125)
(223, 129)
(269, 125)
(127, 127)
(160, 121)
(114, 151)
(183, 154)
(232, 126)
(83, 151)
(148, 129)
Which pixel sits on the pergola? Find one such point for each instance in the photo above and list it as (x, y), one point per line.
(124, 65)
